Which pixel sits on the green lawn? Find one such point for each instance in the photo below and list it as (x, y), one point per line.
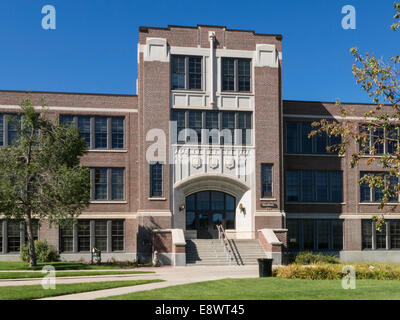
(37, 274)
(37, 292)
(19, 265)
(271, 289)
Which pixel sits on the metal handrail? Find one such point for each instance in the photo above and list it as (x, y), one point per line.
(225, 241)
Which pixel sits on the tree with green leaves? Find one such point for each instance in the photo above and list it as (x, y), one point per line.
(40, 173)
(380, 79)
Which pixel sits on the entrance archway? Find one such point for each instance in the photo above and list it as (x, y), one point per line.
(206, 209)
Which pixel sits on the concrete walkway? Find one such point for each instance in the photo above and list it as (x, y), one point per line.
(172, 276)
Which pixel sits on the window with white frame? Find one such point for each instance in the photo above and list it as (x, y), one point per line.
(186, 72)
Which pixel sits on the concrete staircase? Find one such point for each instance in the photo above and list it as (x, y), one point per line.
(211, 252)
(206, 252)
(247, 251)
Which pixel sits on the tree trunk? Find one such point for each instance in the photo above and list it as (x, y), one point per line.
(29, 231)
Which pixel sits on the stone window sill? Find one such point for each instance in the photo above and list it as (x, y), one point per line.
(109, 150)
(108, 202)
(157, 199)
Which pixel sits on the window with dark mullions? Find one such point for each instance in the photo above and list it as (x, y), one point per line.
(108, 183)
(375, 194)
(156, 179)
(186, 72)
(218, 127)
(13, 236)
(83, 235)
(266, 180)
(99, 132)
(100, 234)
(236, 74)
(298, 142)
(66, 239)
(379, 140)
(315, 234)
(314, 186)
(117, 235)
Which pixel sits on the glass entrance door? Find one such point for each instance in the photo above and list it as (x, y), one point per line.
(207, 209)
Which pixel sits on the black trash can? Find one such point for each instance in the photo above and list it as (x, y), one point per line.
(265, 267)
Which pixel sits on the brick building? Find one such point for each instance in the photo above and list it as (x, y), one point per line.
(208, 141)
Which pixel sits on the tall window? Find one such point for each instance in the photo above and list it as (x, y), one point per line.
(314, 186)
(156, 179)
(83, 235)
(108, 183)
(99, 132)
(117, 235)
(366, 229)
(117, 133)
(100, 234)
(315, 234)
(66, 239)
(13, 236)
(1, 130)
(236, 74)
(297, 141)
(217, 127)
(186, 72)
(266, 180)
(100, 184)
(84, 128)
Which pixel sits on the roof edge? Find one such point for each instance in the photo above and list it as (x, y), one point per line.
(72, 93)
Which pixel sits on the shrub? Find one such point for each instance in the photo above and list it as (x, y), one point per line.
(334, 272)
(44, 252)
(307, 258)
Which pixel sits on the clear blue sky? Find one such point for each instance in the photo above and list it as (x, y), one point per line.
(93, 48)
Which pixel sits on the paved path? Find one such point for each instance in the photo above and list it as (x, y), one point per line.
(172, 276)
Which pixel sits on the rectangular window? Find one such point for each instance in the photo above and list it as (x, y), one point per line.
(156, 179)
(117, 133)
(381, 238)
(66, 239)
(375, 194)
(245, 126)
(100, 234)
(315, 234)
(108, 183)
(117, 184)
(266, 180)
(379, 140)
(293, 234)
(298, 142)
(196, 124)
(100, 133)
(216, 126)
(337, 234)
(117, 235)
(308, 234)
(100, 183)
(228, 128)
(186, 72)
(236, 74)
(84, 128)
(83, 235)
(366, 230)
(13, 236)
(12, 127)
(323, 234)
(314, 186)
(106, 132)
(394, 234)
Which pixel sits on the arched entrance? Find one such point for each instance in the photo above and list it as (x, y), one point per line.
(206, 209)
